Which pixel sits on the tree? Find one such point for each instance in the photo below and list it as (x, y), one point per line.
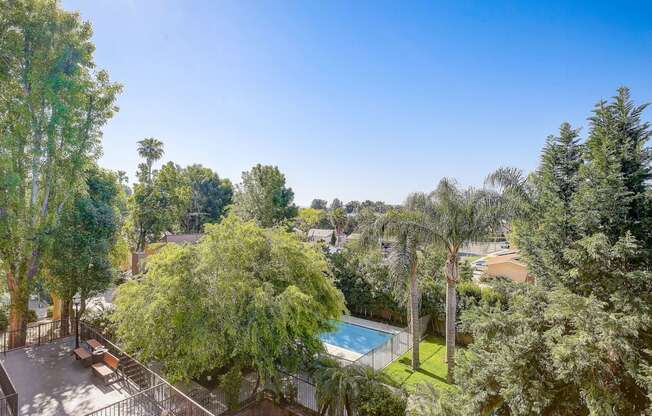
(320, 204)
(352, 207)
(552, 352)
(578, 342)
(210, 197)
(339, 387)
(158, 206)
(263, 197)
(276, 297)
(310, 218)
(407, 231)
(338, 219)
(151, 150)
(454, 217)
(336, 204)
(52, 106)
(80, 261)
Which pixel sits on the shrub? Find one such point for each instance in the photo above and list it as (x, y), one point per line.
(31, 315)
(376, 399)
(4, 319)
(230, 383)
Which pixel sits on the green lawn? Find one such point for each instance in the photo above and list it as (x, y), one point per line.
(432, 351)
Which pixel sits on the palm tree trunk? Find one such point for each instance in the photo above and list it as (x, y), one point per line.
(414, 316)
(451, 273)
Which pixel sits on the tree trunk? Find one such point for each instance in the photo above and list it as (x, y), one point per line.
(65, 317)
(56, 306)
(414, 316)
(17, 312)
(451, 272)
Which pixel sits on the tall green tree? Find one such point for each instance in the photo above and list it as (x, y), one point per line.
(80, 261)
(320, 204)
(408, 232)
(276, 296)
(579, 342)
(151, 150)
(338, 220)
(53, 103)
(160, 205)
(339, 388)
(263, 196)
(210, 197)
(336, 204)
(453, 218)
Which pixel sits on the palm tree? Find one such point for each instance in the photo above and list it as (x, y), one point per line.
(338, 219)
(338, 387)
(151, 150)
(408, 231)
(453, 218)
(122, 177)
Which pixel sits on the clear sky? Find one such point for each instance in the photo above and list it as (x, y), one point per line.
(361, 99)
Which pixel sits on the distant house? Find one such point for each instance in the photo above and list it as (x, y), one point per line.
(504, 263)
(169, 238)
(323, 235)
(181, 238)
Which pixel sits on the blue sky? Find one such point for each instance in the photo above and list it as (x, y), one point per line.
(361, 99)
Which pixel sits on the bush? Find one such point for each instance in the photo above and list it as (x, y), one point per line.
(376, 399)
(230, 384)
(4, 319)
(31, 315)
(101, 319)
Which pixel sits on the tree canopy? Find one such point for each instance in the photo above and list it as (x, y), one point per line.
(53, 103)
(244, 295)
(262, 196)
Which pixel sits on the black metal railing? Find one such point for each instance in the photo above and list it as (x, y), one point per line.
(151, 394)
(35, 334)
(9, 399)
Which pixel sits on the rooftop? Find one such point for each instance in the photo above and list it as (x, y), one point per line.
(50, 382)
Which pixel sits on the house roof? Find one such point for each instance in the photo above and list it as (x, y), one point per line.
(181, 238)
(506, 256)
(319, 233)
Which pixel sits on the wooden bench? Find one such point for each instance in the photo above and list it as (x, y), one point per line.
(82, 354)
(107, 368)
(93, 344)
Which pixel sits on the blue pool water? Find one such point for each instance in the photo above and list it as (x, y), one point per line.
(355, 338)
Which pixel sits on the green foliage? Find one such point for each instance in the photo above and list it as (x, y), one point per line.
(54, 104)
(244, 295)
(80, 261)
(262, 196)
(101, 318)
(551, 352)
(320, 204)
(151, 150)
(375, 399)
(311, 218)
(351, 389)
(4, 319)
(210, 197)
(364, 280)
(31, 315)
(230, 383)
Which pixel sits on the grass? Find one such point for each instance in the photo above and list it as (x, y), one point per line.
(432, 352)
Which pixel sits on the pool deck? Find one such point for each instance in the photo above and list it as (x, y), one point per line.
(371, 324)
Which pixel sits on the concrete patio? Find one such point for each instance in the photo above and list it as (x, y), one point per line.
(51, 383)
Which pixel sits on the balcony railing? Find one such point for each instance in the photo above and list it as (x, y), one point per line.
(9, 397)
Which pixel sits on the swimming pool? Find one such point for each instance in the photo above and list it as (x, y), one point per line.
(355, 337)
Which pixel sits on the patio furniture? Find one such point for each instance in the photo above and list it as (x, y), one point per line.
(93, 344)
(82, 354)
(98, 354)
(107, 368)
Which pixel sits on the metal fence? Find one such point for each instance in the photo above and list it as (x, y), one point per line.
(9, 399)
(35, 334)
(155, 401)
(381, 356)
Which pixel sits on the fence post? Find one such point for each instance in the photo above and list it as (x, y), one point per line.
(38, 334)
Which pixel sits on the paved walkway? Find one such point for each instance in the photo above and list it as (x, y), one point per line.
(51, 383)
